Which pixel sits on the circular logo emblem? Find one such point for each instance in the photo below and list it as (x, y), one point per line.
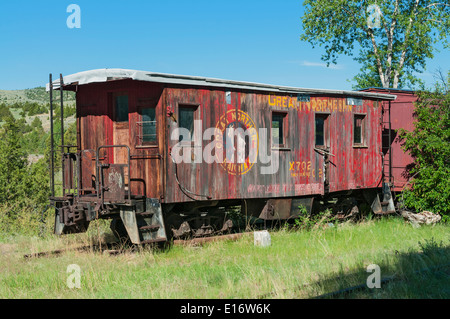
(239, 142)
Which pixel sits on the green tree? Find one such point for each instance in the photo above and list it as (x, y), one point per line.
(19, 180)
(24, 187)
(37, 123)
(35, 141)
(5, 112)
(13, 162)
(429, 145)
(37, 183)
(393, 37)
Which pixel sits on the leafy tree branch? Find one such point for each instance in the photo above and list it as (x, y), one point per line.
(392, 40)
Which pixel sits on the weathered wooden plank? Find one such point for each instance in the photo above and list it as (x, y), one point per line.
(300, 168)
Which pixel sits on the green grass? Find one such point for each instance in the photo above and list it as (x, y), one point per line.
(298, 264)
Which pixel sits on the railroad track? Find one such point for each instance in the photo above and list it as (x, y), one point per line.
(106, 248)
(116, 248)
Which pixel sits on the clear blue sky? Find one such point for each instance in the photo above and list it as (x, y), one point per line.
(255, 41)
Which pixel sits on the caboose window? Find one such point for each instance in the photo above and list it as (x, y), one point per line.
(321, 129)
(122, 108)
(148, 125)
(278, 129)
(358, 129)
(186, 115)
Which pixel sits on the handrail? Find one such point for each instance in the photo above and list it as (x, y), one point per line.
(321, 150)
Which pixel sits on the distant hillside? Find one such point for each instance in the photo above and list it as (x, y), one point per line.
(35, 95)
(31, 103)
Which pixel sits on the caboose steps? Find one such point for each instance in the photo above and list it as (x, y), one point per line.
(385, 205)
(142, 224)
(139, 221)
(145, 214)
(149, 228)
(153, 241)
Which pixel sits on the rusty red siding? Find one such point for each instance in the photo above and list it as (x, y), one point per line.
(301, 167)
(300, 170)
(95, 128)
(402, 116)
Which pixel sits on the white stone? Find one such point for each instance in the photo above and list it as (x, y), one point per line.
(262, 238)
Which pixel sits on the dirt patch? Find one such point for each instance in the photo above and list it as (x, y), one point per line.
(7, 249)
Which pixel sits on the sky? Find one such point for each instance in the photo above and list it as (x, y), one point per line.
(242, 40)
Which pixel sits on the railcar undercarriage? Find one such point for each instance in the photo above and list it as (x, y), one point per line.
(141, 220)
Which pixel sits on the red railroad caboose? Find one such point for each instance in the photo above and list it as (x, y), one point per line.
(396, 114)
(165, 155)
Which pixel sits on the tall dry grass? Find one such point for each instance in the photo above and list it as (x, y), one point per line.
(298, 264)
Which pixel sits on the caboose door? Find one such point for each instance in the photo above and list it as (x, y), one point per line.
(120, 126)
(322, 147)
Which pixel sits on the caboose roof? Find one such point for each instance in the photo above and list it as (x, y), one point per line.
(105, 75)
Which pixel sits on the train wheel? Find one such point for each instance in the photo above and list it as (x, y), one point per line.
(174, 224)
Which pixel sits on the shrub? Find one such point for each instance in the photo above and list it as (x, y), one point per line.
(429, 145)
(24, 188)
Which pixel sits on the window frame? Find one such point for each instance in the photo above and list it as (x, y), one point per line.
(196, 113)
(326, 130)
(363, 130)
(141, 143)
(284, 122)
(120, 124)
